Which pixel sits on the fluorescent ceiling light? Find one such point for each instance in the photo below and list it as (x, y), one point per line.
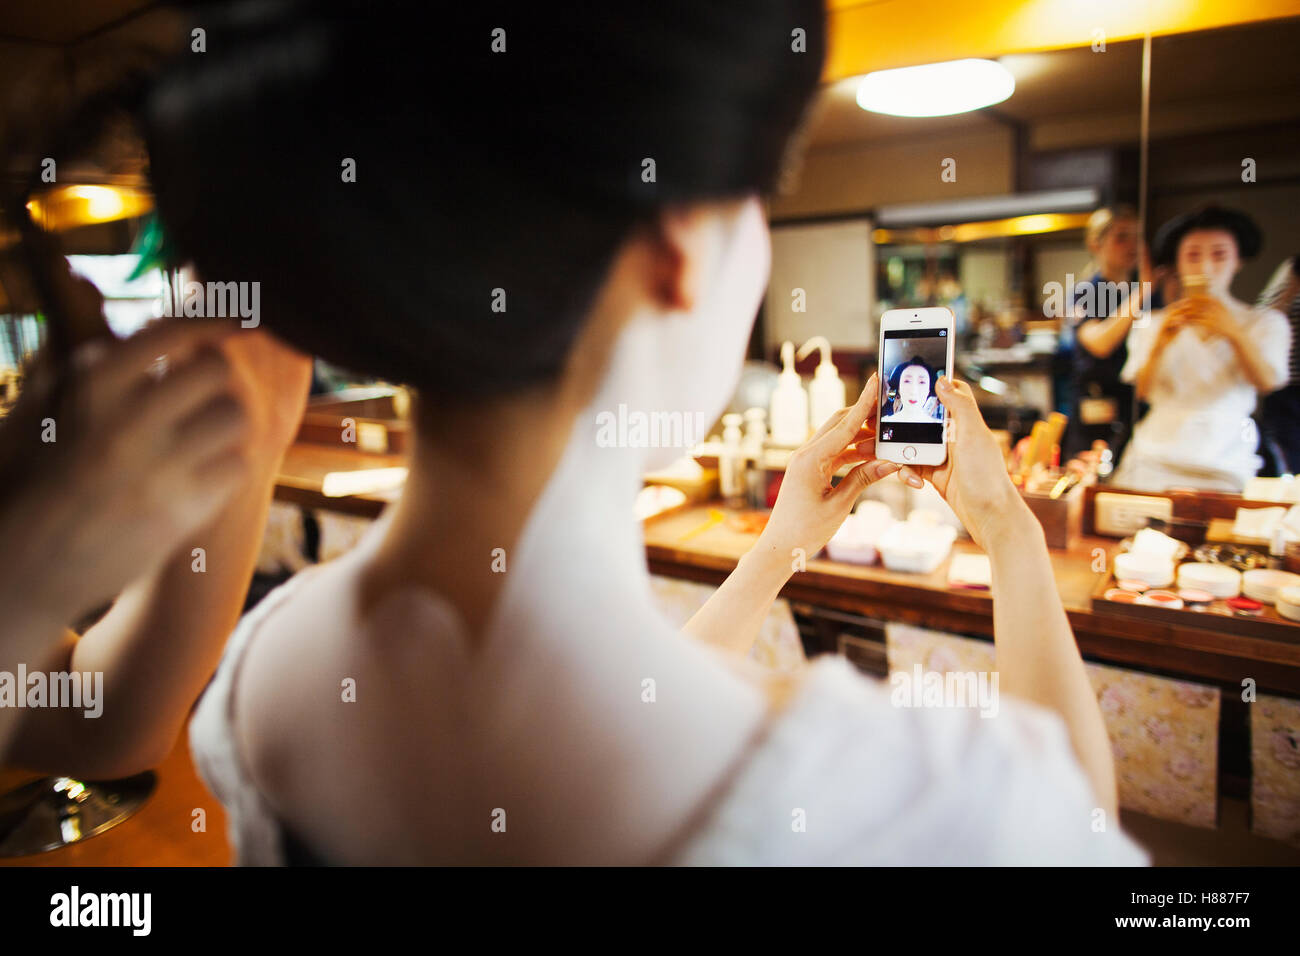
(936, 89)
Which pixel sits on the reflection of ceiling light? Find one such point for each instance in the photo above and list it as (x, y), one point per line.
(936, 89)
(1028, 225)
(986, 229)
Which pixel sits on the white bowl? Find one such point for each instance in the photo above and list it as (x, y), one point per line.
(916, 549)
(851, 552)
(1155, 570)
(855, 541)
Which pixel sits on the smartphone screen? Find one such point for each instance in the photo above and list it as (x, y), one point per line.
(911, 362)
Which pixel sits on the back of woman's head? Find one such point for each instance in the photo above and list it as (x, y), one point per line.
(1103, 220)
(499, 157)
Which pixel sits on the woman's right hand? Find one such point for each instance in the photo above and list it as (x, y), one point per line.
(973, 479)
(138, 462)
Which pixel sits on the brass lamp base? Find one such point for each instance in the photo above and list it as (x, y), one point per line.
(55, 812)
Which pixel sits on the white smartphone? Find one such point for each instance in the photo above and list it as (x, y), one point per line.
(915, 349)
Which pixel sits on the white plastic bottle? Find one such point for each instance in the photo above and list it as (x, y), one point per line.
(755, 433)
(827, 390)
(731, 462)
(788, 411)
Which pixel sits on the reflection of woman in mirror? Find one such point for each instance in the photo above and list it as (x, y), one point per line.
(1102, 404)
(911, 391)
(1202, 363)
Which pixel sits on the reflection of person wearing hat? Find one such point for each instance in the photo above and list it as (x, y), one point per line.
(1202, 362)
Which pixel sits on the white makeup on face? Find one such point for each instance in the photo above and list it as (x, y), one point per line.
(709, 342)
(687, 363)
(914, 386)
(1211, 253)
(576, 621)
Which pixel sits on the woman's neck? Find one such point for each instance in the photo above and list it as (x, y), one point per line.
(479, 479)
(475, 474)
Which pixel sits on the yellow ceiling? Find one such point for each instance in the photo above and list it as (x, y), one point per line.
(870, 35)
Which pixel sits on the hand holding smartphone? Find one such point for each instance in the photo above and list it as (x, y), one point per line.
(916, 347)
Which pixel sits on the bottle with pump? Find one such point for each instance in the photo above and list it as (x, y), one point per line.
(827, 389)
(753, 444)
(789, 406)
(731, 462)
(755, 433)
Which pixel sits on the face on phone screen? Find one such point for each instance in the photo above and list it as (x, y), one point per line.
(912, 361)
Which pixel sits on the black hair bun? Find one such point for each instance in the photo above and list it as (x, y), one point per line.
(496, 173)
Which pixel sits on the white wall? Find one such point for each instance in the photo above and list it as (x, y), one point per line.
(834, 263)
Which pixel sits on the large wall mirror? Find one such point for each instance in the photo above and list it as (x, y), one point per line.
(982, 211)
(1026, 216)
(1225, 153)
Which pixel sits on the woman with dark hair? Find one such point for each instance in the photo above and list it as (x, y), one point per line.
(912, 392)
(531, 217)
(1203, 362)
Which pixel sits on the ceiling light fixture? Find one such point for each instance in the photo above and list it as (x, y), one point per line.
(936, 89)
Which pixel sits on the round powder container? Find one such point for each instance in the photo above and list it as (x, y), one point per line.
(1132, 584)
(1263, 584)
(1120, 596)
(1162, 599)
(1219, 580)
(1139, 566)
(1288, 603)
(1195, 596)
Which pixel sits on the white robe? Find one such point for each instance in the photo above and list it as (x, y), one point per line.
(1198, 431)
(841, 777)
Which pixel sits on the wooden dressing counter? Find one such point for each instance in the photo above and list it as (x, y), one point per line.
(301, 478)
(1194, 651)
(844, 608)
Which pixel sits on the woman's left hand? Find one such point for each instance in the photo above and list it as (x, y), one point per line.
(808, 510)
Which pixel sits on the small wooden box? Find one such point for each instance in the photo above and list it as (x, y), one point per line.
(1061, 518)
